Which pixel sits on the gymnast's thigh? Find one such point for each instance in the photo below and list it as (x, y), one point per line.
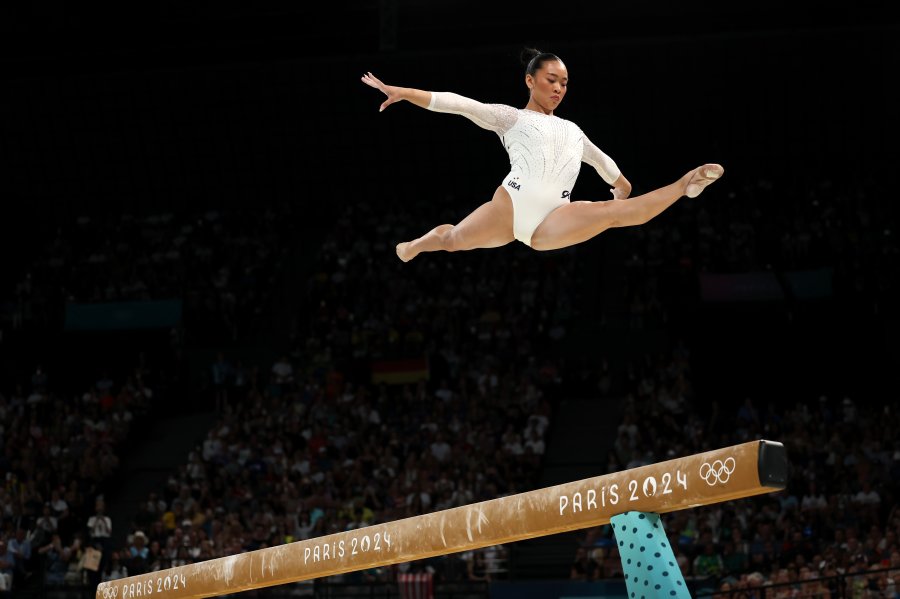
(490, 225)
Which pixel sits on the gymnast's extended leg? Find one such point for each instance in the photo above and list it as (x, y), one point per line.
(579, 221)
(489, 226)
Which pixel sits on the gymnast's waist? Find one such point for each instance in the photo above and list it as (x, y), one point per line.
(552, 188)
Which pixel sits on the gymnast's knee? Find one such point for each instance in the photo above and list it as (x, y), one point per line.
(450, 240)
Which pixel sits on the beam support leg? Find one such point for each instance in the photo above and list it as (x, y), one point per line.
(648, 561)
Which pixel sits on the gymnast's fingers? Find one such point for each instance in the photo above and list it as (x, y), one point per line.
(373, 81)
(386, 103)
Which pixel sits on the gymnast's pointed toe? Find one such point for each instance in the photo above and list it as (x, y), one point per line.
(702, 177)
(402, 252)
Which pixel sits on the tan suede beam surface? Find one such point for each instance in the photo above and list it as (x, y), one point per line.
(743, 470)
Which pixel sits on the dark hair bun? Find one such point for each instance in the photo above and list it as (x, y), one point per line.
(528, 54)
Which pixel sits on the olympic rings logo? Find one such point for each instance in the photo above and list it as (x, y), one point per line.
(110, 592)
(717, 472)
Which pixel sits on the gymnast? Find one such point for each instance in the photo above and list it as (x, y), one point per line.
(533, 203)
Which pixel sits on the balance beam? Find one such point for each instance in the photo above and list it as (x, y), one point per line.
(752, 468)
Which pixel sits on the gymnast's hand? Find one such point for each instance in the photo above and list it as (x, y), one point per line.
(621, 188)
(392, 93)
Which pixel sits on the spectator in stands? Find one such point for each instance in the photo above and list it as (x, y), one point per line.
(709, 562)
(734, 561)
(155, 558)
(115, 569)
(283, 372)
(7, 567)
(74, 572)
(138, 554)
(20, 548)
(440, 449)
(867, 496)
(100, 537)
(45, 526)
(813, 499)
(810, 585)
(57, 502)
(99, 525)
(534, 444)
(55, 561)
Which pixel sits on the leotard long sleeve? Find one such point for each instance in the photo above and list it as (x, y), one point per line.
(538, 144)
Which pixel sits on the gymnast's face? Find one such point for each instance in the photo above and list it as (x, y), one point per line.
(548, 85)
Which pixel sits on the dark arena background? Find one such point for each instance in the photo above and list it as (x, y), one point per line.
(208, 345)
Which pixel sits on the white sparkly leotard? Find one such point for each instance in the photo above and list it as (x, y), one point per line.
(545, 156)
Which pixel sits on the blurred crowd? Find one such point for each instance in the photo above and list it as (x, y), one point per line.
(61, 449)
(220, 263)
(315, 443)
(779, 224)
(838, 515)
(411, 388)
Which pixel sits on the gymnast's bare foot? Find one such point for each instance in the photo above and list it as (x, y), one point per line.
(402, 252)
(699, 178)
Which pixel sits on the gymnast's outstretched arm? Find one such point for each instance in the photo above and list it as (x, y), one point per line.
(394, 93)
(494, 117)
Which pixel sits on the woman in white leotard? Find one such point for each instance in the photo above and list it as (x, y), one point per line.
(532, 203)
